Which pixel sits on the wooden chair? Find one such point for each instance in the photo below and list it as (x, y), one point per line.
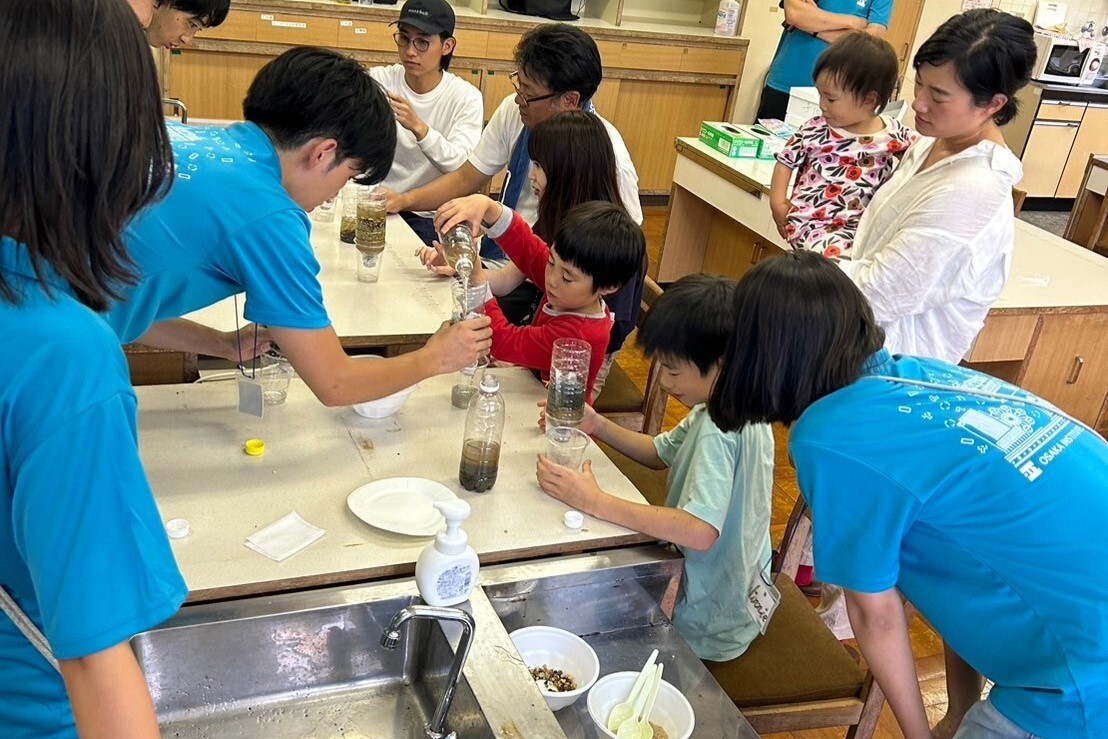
(1018, 196)
(796, 676)
(621, 399)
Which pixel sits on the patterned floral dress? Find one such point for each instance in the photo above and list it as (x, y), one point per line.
(838, 174)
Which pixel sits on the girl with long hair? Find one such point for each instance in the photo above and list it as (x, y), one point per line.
(84, 560)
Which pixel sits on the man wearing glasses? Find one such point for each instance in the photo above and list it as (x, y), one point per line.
(438, 115)
(557, 68)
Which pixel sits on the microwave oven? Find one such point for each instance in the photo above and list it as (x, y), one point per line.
(1061, 60)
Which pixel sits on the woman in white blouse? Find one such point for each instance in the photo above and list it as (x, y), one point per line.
(933, 248)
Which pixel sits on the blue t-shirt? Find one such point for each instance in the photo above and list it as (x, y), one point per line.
(798, 50)
(82, 548)
(725, 480)
(989, 515)
(227, 226)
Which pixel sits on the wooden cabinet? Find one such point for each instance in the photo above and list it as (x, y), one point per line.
(1069, 364)
(1092, 138)
(656, 86)
(1045, 157)
(1060, 110)
(649, 113)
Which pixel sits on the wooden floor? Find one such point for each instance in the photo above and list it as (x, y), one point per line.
(926, 646)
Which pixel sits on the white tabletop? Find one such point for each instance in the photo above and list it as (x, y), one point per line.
(1050, 272)
(1047, 271)
(191, 441)
(407, 305)
(758, 171)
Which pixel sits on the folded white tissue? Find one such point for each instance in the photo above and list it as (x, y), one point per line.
(284, 537)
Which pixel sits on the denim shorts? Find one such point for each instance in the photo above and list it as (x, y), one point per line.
(983, 721)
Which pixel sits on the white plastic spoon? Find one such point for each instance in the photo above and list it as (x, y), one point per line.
(646, 731)
(629, 729)
(625, 710)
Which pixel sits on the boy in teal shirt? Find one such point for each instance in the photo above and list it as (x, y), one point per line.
(720, 484)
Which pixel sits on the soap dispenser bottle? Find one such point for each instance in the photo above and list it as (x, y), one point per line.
(446, 571)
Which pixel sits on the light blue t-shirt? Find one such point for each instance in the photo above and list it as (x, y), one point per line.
(725, 480)
(798, 50)
(82, 548)
(990, 516)
(227, 226)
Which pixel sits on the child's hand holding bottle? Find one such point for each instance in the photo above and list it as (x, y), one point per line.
(590, 421)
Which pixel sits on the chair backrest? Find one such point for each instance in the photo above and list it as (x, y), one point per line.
(654, 396)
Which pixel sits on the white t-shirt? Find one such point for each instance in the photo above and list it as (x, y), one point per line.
(494, 152)
(933, 248)
(453, 112)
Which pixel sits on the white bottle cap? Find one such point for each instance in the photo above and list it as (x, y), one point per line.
(177, 528)
(573, 520)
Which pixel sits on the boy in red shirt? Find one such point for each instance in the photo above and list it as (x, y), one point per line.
(597, 248)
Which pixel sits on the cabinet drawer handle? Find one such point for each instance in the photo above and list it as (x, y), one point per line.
(759, 250)
(1057, 124)
(1075, 371)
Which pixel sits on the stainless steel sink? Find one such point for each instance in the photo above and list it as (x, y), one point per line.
(313, 673)
(312, 665)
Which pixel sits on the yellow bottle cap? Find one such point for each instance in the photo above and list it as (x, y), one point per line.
(254, 447)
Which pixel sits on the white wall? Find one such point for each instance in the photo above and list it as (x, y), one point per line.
(933, 14)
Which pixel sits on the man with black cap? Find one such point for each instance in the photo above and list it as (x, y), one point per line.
(438, 114)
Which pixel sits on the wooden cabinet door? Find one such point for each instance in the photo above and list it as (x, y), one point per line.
(1069, 364)
(1045, 157)
(651, 114)
(212, 83)
(1092, 138)
(902, 30)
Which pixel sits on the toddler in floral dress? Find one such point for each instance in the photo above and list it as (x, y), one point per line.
(844, 155)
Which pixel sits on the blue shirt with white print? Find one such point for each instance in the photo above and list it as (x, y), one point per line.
(226, 226)
(990, 516)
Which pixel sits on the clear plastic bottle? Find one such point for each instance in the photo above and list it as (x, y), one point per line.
(483, 432)
(727, 18)
(457, 245)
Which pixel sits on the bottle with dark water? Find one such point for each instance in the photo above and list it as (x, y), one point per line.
(484, 431)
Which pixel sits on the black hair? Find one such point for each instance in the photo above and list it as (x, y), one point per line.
(562, 57)
(861, 64)
(85, 141)
(993, 54)
(691, 321)
(309, 93)
(211, 13)
(802, 330)
(444, 62)
(602, 241)
(574, 150)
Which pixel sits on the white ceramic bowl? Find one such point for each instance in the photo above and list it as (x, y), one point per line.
(671, 710)
(386, 406)
(561, 650)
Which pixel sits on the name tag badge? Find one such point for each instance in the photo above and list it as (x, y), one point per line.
(761, 602)
(251, 400)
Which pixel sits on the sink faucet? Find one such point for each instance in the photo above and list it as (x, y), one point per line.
(391, 637)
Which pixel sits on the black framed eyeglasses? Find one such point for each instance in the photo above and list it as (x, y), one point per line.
(513, 77)
(421, 44)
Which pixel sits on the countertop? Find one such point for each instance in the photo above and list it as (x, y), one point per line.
(407, 305)
(1047, 271)
(1074, 93)
(316, 456)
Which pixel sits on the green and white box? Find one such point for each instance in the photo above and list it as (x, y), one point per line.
(729, 139)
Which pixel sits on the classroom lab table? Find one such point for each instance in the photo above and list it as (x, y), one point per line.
(191, 441)
(400, 311)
